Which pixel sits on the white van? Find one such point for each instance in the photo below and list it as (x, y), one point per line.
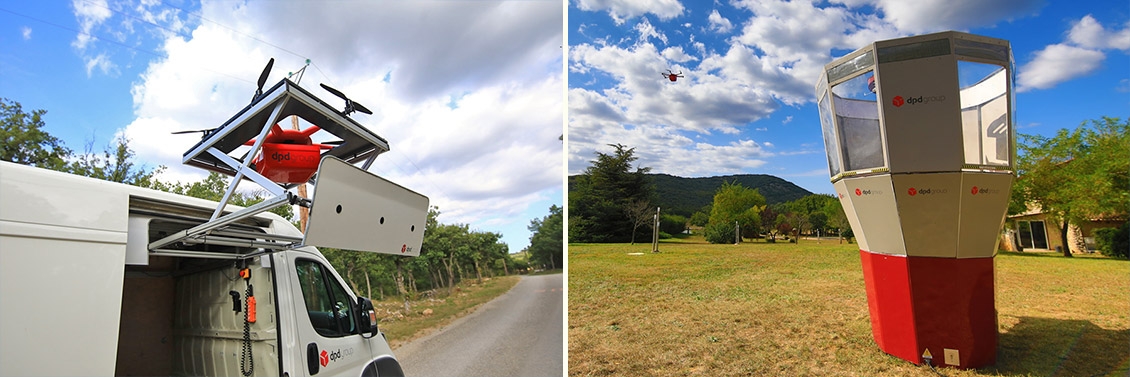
(82, 293)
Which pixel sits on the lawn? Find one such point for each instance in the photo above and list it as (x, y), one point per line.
(789, 309)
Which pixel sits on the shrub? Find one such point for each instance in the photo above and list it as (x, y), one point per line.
(1114, 242)
(719, 233)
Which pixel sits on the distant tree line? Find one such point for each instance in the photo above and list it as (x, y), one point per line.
(450, 252)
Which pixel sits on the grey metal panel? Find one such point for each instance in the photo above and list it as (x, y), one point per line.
(928, 206)
(921, 114)
(873, 199)
(208, 335)
(849, 210)
(982, 213)
(356, 210)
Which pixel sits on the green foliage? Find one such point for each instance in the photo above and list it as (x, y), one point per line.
(719, 233)
(737, 203)
(1076, 174)
(546, 242)
(685, 196)
(212, 188)
(599, 199)
(24, 140)
(672, 224)
(1114, 242)
(700, 218)
(115, 164)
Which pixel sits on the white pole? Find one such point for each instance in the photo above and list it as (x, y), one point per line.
(737, 233)
(655, 233)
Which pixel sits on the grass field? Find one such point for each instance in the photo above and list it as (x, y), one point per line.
(789, 309)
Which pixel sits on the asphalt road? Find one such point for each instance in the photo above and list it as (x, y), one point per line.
(516, 334)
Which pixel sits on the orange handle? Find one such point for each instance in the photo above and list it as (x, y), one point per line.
(251, 309)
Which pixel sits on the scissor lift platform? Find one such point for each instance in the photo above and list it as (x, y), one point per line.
(351, 209)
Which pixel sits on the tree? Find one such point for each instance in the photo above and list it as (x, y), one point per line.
(640, 213)
(734, 202)
(599, 197)
(24, 140)
(114, 164)
(672, 224)
(1076, 174)
(837, 218)
(700, 218)
(546, 242)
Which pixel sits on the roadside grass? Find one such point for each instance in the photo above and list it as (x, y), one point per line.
(801, 309)
(400, 327)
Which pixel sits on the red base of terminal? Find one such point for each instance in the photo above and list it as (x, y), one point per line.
(944, 305)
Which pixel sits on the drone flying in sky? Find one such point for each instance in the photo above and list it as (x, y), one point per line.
(671, 75)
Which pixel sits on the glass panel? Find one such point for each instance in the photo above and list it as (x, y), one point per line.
(1024, 229)
(857, 117)
(985, 124)
(831, 143)
(937, 47)
(859, 63)
(982, 50)
(1039, 235)
(329, 308)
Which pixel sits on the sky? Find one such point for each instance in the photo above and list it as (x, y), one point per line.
(469, 94)
(746, 103)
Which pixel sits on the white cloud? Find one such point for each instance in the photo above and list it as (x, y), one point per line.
(718, 23)
(623, 10)
(1055, 64)
(677, 55)
(648, 31)
(25, 32)
(100, 62)
(90, 14)
(482, 162)
(788, 119)
(664, 149)
(1079, 56)
(1088, 33)
(918, 17)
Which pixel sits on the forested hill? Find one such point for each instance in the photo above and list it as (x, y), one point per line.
(684, 196)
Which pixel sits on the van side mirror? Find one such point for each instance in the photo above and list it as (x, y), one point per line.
(366, 317)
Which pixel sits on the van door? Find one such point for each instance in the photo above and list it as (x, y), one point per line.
(327, 329)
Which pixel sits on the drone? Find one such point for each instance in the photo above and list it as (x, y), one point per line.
(671, 75)
(289, 155)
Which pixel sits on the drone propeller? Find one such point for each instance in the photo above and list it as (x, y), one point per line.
(205, 131)
(350, 105)
(263, 79)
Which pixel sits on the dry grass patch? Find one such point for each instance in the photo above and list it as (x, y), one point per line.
(437, 309)
(788, 309)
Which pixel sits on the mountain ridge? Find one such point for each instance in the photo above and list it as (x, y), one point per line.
(684, 196)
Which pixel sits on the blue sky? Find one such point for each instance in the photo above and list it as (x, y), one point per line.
(470, 94)
(746, 103)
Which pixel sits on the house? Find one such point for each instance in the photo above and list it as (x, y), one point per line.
(1035, 230)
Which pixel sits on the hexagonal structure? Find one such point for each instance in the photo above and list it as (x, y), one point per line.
(920, 145)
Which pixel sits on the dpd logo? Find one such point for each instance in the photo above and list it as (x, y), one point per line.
(927, 191)
(898, 101)
(859, 192)
(984, 191)
(325, 357)
(280, 156)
